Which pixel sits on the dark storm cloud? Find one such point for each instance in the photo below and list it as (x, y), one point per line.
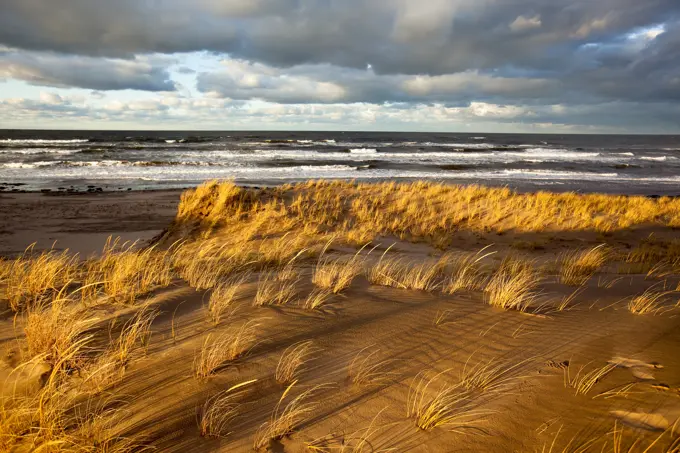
(48, 69)
(533, 52)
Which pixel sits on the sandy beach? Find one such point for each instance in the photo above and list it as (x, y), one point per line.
(340, 317)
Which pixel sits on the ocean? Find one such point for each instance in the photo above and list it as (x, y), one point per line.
(82, 160)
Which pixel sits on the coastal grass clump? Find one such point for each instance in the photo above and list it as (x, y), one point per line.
(135, 333)
(399, 272)
(52, 329)
(127, 272)
(513, 287)
(273, 291)
(584, 381)
(337, 274)
(292, 360)
(367, 369)
(316, 299)
(286, 417)
(433, 402)
(649, 302)
(219, 411)
(220, 304)
(464, 272)
(33, 277)
(417, 211)
(577, 267)
(492, 375)
(219, 350)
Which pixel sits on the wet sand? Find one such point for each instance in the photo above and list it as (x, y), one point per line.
(82, 222)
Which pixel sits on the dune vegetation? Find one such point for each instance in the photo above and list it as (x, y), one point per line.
(286, 318)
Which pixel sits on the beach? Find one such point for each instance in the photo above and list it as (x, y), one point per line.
(340, 316)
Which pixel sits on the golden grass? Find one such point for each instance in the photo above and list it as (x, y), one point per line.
(337, 274)
(419, 210)
(220, 304)
(34, 277)
(317, 299)
(273, 291)
(359, 441)
(219, 411)
(136, 333)
(128, 273)
(584, 381)
(442, 318)
(435, 404)
(402, 273)
(53, 328)
(229, 346)
(292, 360)
(567, 302)
(367, 369)
(286, 418)
(618, 440)
(649, 302)
(464, 271)
(513, 287)
(577, 267)
(491, 375)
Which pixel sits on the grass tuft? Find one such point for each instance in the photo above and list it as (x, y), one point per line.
(227, 347)
(219, 411)
(292, 359)
(577, 267)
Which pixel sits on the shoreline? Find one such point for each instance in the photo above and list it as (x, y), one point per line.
(610, 188)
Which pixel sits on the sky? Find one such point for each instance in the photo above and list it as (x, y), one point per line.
(541, 66)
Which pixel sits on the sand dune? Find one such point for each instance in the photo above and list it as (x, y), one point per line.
(389, 367)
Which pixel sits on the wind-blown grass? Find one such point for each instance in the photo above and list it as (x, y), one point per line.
(577, 267)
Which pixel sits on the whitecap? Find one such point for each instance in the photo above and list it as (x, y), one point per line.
(363, 151)
(41, 141)
(658, 159)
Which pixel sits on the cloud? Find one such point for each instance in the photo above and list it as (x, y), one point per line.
(48, 69)
(499, 60)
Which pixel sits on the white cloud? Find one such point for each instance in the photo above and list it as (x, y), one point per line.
(524, 23)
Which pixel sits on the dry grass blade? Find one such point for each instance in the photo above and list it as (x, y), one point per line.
(225, 348)
(583, 382)
(568, 301)
(52, 329)
(466, 272)
(444, 405)
(400, 273)
(512, 289)
(317, 299)
(337, 274)
(219, 411)
(366, 369)
(286, 418)
(272, 291)
(649, 302)
(491, 375)
(357, 442)
(579, 266)
(31, 278)
(136, 331)
(442, 318)
(222, 297)
(292, 359)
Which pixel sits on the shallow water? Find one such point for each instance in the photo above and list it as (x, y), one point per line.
(154, 160)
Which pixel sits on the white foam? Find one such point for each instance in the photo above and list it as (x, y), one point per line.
(363, 151)
(41, 141)
(38, 151)
(659, 158)
(623, 154)
(171, 141)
